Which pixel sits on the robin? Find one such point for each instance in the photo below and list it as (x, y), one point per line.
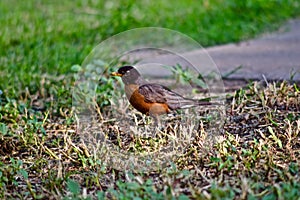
(150, 98)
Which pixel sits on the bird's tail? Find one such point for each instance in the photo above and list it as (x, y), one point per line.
(189, 103)
(179, 102)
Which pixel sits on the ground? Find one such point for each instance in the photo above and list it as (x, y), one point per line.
(255, 154)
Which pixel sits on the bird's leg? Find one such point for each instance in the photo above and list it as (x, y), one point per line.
(156, 120)
(157, 123)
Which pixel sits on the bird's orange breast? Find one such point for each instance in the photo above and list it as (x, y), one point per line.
(138, 102)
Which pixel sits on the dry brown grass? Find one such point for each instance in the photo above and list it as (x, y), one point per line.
(255, 153)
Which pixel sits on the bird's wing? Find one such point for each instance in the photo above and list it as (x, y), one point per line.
(155, 93)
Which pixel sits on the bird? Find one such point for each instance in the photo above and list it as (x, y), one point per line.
(152, 99)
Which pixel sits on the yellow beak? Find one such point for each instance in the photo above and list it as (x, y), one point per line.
(116, 74)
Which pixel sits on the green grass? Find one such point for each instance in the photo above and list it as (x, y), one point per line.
(40, 148)
(47, 37)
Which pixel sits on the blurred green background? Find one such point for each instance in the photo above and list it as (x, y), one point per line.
(48, 37)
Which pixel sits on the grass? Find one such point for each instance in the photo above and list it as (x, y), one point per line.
(256, 157)
(42, 155)
(46, 38)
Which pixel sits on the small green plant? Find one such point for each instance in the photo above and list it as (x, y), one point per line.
(74, 189)
(3, 129)
(187, 76)
(293, 73)
(218, 192)
(135, 190)
(10, 173)
(94, 84)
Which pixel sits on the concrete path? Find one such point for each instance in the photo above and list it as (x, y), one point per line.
(275, 55)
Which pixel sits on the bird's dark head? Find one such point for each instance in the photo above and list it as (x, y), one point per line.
(129, 74)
